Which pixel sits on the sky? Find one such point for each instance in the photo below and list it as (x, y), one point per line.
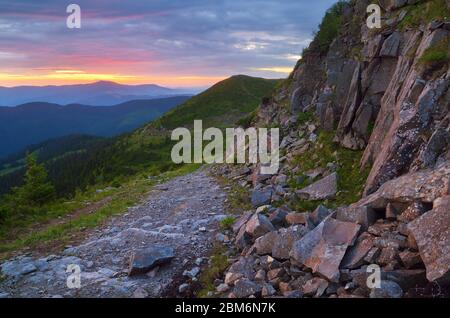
(175, 43)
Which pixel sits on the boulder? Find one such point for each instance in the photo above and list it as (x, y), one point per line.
(315, 287)
(372, 255)
(264, 244)
(243, 268)
(388, 289)
(410, 259)
(294, 218)
(243, 239)
(142, 261)
(258, 225)
(231, 278)
(261, 197)
(412, 212)
(278, 217)
(431, 232)
(268, 290)
(223, 288)
(425, 186)
(323, 248)
(16, 268)
(325, 188)
(388, 256)
(406, 278)
(275, 273)
(283, 242)
(242, 221)
(356, 254)
(281, 179)
(317, 216)
(245, 288)
(260, 275)
(192, 273)
(361, 215)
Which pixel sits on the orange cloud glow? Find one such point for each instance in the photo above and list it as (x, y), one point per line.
(66, 77)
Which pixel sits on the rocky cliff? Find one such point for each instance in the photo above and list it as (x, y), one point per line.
(365, 173)
(384, 90)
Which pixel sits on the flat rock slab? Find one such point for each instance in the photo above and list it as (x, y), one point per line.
(261, 197)
(323, 248)
(143, 261)
(425, 186)
(325, 188)
(432, 234)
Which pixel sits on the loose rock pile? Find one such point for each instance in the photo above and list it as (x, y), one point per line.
(403, 230)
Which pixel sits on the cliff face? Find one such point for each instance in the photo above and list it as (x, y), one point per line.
(384, 91)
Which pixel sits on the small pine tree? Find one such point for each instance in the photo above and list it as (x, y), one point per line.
(36, 190)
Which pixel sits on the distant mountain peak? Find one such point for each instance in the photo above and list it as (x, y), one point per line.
(99, 93)
(105, 83)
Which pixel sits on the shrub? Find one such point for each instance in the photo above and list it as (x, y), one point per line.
(247, 120)
(36, 190)
(330, 26)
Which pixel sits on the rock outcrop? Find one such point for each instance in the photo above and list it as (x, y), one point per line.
(375, 87)
(378, 93)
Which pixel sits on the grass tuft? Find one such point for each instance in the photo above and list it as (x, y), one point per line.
(436, 55)
(425, 12)
(219, 263)
(227, 223)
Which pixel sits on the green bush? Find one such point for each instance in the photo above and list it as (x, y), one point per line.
(330, 26)
(247, 120)
(36, 190)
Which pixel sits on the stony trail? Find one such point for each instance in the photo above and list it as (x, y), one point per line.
(182, 213)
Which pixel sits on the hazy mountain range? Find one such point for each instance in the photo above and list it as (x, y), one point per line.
(100, 93)
(35, 122)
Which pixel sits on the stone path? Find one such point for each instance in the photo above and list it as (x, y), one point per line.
(182, 213)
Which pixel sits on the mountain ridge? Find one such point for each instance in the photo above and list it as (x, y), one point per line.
(100, 93)
(36, 122)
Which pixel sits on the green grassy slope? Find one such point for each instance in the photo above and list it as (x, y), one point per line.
(221, 105)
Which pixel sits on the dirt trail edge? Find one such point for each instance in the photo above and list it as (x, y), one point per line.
(182, 213)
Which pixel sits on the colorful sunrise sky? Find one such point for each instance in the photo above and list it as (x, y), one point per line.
(176, 43)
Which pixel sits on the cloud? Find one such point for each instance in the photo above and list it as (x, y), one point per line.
(158, 38)
(284, 70)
